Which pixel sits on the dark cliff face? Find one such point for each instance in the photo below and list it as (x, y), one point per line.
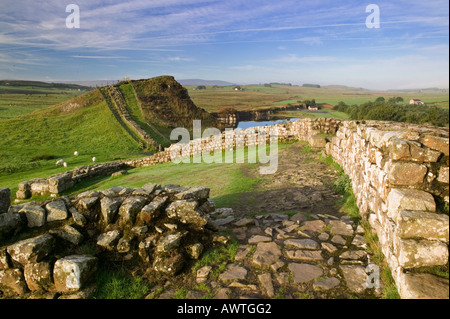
(165, 100)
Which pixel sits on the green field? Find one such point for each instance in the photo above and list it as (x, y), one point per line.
(213, 98)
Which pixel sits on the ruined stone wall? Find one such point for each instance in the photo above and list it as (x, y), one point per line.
(52, 249)
(400, 177)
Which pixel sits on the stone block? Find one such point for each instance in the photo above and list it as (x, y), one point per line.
(130, 208)
(409, 199)
(187, 213)
(110, 208)
(406, 173)
(195, 193)
(13, 281)
(418, 253)
(317, 141)
(436, 143)
(56, 210)
(36, 215)
(73, 272)
(38, 276)
(422, 286)
(443, 175)
(10, 223)
(32, 249)
(5, 200)
(418, 224)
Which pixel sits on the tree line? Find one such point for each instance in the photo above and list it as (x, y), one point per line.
(394, 109)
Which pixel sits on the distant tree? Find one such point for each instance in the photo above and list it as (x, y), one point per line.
(380, 99)
(201, 87)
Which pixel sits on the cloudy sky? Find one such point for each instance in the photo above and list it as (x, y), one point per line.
(241, 41)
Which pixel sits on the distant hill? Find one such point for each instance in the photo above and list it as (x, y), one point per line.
(205, 82)
(37, 87)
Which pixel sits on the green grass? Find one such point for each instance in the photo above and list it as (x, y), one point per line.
(217, 258)
(27, 142)
(116, 284)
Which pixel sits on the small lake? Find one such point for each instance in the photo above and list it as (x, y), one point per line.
(247, 124)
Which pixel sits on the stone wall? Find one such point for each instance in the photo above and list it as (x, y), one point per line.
(52, 249)
(399, 175)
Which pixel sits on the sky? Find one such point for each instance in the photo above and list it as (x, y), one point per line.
(326, 42)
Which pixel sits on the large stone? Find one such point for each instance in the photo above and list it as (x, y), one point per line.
(266, 254)
(187, 213)
(32, 249)
(151, 211)
(110, 208)
(409, 199)
(130, 208)
(10, 223)
(418, 253)
(87, 202)
(5, 200)
(422, 286)
(109, 239)
(326, 284)
(199, 193)
(437, 143)
(407, 174)
(258, 239)
(169, 264)
(340, 228)
(315, 226)
(169, 242)
(56, 210)
(71, 273)
(68, 233)
(305, 255)
(304, 272)
(443, 174)
(38, 276)
(355, 277)
(36, 215)
(13, 281)
(266, 283)
(195, 250)
(302, 243)
(417, 224)
(317, 141)
(233, 272)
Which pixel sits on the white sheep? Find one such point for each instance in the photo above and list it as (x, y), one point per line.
(94, 159)
(59, 162)
(75, 153)
(65, 164)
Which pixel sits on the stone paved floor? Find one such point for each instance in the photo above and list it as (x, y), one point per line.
(313, 251)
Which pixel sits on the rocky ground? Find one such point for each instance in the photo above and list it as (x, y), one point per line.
(292, 242)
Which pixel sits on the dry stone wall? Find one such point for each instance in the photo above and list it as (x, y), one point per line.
(399, 176)
(153, 230)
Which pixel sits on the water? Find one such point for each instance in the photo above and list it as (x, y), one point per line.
(247, 124)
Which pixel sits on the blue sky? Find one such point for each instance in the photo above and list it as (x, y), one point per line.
(251, 41)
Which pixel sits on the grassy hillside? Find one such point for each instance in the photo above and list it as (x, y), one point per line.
(31, 144)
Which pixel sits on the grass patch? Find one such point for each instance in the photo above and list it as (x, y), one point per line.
(119, 285)
(217, 258)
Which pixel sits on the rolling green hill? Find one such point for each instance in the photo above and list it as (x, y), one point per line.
(93, 125)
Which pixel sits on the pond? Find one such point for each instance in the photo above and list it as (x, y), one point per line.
(247, 124)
